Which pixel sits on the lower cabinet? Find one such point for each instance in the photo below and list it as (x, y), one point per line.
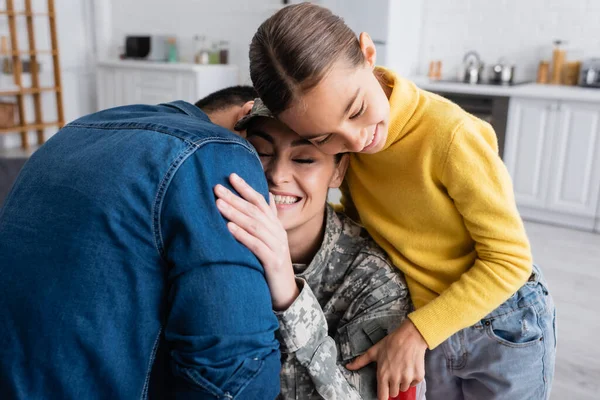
(552, 153)
(134, 82)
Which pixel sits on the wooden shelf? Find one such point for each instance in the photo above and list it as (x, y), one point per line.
(34, 53)
(30, 127)
(29, 91)
(27, 14)
(19, 89)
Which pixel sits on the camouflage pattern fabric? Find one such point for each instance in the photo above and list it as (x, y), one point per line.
(350, 298)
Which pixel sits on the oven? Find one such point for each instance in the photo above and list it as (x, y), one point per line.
(492, 109)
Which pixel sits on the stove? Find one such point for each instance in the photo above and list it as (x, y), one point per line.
(483, 83)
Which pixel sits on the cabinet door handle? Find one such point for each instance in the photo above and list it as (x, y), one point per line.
(553, 107)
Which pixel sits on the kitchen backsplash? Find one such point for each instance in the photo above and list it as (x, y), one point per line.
(522, 31)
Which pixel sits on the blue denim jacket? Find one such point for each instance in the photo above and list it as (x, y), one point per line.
(119, 278)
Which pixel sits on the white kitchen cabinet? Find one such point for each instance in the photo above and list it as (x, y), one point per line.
(576, 160)
(553, 156)
(130, 82)
(528, 147)
(597, 227)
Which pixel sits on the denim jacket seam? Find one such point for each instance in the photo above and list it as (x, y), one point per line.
(168, 178)
(150, 363)
(162, 129)
(162, 189)
(122, 126)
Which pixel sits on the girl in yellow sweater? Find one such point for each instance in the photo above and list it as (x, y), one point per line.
(426, 181)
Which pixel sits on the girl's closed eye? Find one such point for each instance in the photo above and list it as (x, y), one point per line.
(359, 112)
(321, 142)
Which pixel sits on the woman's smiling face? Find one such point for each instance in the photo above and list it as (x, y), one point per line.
(299, 175)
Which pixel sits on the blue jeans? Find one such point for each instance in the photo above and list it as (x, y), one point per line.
(509, 354)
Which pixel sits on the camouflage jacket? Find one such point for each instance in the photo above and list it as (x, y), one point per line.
(350, 297)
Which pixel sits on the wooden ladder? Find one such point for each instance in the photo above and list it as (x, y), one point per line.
(35, 90)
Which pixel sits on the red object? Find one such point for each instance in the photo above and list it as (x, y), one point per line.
(410, 394)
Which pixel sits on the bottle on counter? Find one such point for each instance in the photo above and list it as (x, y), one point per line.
(172, 50)
(571, 73)
(543, 72)
(201, 53)
(435, 70)
(438, 69)
(558, 61)
(223, 52)
(214, 53)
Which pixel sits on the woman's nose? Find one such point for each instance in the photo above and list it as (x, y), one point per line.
(277, 172)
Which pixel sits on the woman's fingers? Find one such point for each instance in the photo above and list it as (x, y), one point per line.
(256, 246)
(237, 202)
(272, 204)
(255, 226)
(248, 193)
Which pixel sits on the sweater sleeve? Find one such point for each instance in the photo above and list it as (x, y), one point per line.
(478, 183)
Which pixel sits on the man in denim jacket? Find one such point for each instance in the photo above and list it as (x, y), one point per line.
(119, 278)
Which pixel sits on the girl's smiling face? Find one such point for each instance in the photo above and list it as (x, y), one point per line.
(347, 111)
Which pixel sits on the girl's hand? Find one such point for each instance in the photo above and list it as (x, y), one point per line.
(254, 223)
(400, 359)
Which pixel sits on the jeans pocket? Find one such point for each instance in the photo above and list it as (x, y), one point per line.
(242, 376)
(195, 380)
(249, 369)
(519, 328)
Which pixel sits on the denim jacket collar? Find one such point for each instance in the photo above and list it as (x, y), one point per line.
(188, 109)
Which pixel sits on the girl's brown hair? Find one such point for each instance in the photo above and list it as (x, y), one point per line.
(295, 48)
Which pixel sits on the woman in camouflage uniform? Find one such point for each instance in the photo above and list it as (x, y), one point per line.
(334, 290)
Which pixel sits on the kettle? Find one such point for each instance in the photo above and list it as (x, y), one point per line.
(473, 67)
(502, 72)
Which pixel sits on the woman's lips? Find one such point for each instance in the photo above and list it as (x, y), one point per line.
(285, 200)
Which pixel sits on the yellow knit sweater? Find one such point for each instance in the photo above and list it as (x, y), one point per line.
(439, 201)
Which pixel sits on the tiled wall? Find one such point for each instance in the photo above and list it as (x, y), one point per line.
(521, 30)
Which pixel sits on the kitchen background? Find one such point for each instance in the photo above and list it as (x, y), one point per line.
(549, 134)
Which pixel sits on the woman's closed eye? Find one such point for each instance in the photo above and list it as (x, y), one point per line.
(303, 160)
(264, 154)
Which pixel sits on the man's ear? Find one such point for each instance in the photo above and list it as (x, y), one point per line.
(368, 48)
(340, 172)
(241, 113)
(245, 109)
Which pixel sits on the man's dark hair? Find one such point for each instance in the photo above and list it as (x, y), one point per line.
(225, 98)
